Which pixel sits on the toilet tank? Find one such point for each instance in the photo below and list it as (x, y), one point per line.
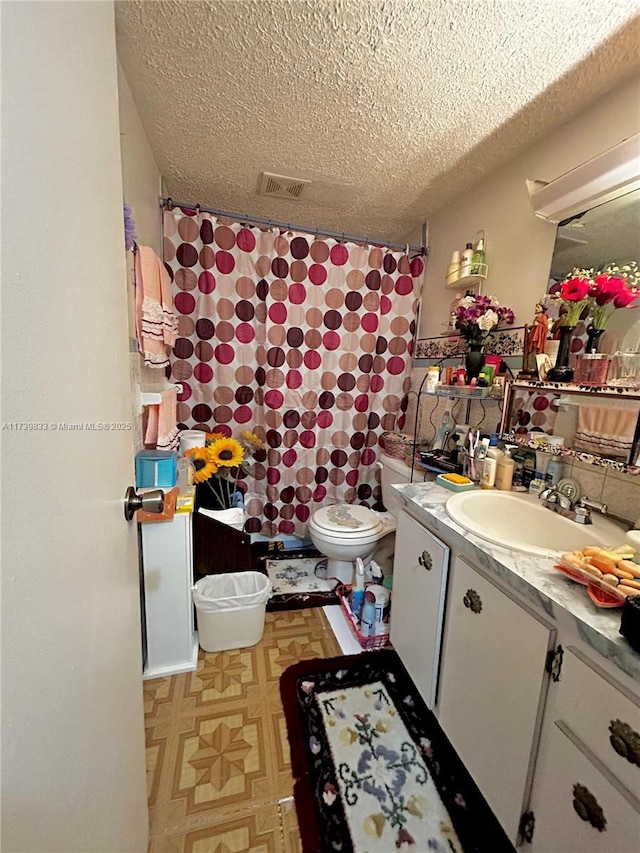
(392, 471)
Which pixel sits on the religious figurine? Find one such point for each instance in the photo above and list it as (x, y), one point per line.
(539, 330)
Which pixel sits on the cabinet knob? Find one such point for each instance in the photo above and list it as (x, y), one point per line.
(425, 560)
(587, 808)
(625, 741)
(472, 601)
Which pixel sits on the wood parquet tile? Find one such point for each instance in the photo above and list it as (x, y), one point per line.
(218, 769)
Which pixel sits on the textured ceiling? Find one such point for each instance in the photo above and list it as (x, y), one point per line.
(390, 107)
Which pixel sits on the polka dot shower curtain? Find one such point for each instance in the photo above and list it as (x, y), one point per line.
(307, 342)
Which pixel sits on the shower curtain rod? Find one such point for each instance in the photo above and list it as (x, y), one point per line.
(258, 220)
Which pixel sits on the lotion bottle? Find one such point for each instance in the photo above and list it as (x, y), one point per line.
(465, 260)
(488, 473)
(504, 470)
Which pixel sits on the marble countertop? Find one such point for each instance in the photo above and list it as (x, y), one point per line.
(533, 578)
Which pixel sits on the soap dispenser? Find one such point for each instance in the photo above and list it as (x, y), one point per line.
(504, 469)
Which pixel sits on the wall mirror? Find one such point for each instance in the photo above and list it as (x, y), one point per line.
(608, 233)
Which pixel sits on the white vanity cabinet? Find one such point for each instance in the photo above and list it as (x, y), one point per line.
(586, 792)
(493, 687)
(420, 568)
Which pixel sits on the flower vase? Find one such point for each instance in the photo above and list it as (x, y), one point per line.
(474, 361)
(593, 339)
(562, 372)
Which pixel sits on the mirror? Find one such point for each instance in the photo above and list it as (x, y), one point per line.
(609, 233)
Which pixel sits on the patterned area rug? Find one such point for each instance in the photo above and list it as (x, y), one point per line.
(373, 770)
(298, 581)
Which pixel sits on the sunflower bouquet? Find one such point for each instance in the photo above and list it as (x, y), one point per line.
(220, 462)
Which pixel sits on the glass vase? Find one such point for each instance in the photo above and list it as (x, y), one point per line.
(562, 372)
(474, 361)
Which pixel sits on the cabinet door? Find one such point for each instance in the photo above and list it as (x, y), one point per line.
(168, 576)
(577, 805)
(492, 689)
(420, 567)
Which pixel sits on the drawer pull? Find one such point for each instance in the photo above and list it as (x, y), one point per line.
(625, 741)
(472, 601)
(587, 808)
(426, 561)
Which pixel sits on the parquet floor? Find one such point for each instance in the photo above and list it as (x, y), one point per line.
(218, 769)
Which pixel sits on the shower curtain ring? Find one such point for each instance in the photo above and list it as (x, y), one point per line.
(198, 208)
(169, 203)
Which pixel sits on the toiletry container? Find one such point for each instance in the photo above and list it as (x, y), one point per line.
(453, 270)
(488, 473)
(504, 471)
(465, 260)
(554, 471)
(357, 593)
(433, 379)
(478, 265)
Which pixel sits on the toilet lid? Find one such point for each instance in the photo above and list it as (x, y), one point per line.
(346, 519)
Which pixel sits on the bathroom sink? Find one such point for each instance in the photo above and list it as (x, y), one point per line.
(521, 522)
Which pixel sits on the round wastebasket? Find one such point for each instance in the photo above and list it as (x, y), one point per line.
(231, 609)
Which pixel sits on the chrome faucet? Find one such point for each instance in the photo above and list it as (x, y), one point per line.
(583, 508)
(580, 511)
(553, 499)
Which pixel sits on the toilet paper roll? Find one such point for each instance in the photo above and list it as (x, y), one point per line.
(192, 438)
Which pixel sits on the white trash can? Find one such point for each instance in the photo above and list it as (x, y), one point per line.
(231, 609)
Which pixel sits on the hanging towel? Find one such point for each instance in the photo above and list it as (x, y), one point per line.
(162, 430)
(156, 324)
(606, 430)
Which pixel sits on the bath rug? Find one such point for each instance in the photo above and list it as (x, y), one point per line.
(298, 581)
(373, 771)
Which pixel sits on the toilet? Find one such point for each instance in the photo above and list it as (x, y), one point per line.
(344, 532)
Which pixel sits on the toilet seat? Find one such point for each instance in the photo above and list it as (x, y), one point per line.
(348, 521)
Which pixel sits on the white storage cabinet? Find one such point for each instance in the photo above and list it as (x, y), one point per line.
(167, 554)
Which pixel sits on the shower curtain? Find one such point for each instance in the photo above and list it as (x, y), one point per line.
(305, 341)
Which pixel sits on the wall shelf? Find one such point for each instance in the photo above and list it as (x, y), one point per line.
(469, 280)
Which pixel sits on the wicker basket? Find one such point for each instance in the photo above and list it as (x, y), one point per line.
(378, 641)
(397, 444)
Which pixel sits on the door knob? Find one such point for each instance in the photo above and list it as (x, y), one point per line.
(152, 501)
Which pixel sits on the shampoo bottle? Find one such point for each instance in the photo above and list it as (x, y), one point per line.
(453, 270)
(504, 471)
(465, 260)
(478, 259)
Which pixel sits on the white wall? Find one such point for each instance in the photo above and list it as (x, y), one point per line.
(519, 245)
(141, 187)
(73, 757)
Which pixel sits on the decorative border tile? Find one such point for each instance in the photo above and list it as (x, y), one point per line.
(506, 343)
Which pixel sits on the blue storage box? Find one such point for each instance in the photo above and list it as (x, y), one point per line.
(156, 468)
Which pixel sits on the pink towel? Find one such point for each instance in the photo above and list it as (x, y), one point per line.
(156, 324)
(162, 430)
(606, 430)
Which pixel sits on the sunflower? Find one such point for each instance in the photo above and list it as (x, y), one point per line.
(254, 442)
(226, 453)
(204, 465)
(212, 437)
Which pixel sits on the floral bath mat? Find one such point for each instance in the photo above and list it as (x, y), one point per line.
(373, 770)
(298, 581)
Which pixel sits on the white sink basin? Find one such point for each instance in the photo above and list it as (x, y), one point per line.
(521, 522)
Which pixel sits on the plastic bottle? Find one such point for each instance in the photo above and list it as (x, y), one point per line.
(465, 261)
(357, 593)
(553, 474)
(453, 270)
(488, 473)
(368, 621)
(504, 472)
(477, 259)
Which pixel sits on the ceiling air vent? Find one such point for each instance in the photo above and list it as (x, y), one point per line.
(281, 186)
